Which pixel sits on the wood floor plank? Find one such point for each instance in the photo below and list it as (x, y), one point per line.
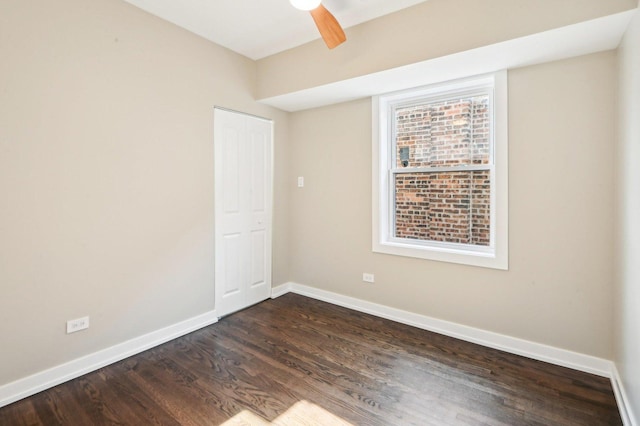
(57, 406)
(261, 362)
(307, 376)
(21, 415)
(389, 392)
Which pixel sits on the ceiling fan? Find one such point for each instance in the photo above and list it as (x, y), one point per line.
(330, 30)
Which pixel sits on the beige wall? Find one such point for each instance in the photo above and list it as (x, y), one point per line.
(106, 180)
(627, 302)
(558, 290)
(428, 30)
(106, 175)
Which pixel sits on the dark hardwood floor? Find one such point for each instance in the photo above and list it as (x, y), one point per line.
(362, 369)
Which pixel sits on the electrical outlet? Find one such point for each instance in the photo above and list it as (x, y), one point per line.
(369, 278)
(300, 181)
(77, 324)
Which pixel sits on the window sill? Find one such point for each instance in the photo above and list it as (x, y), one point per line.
(482, 258)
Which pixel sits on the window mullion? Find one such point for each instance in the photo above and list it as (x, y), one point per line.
(444, 169)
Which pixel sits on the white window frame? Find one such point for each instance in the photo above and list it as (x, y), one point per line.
(496, 255)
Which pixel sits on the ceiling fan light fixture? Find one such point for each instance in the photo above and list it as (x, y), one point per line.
(305, 4)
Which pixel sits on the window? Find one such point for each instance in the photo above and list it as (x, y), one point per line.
(440, 172)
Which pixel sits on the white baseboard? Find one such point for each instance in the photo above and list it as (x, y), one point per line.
(624, 405)
(280, 290)
(38, 382)
(550, 354)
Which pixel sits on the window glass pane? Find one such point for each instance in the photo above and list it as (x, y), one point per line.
(444, 133)
(452, 207)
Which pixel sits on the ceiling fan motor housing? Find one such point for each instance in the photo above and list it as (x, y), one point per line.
(305, 4)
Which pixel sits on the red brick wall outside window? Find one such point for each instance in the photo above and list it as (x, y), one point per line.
(449, 204)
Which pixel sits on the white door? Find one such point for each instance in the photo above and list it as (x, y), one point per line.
(243, 180)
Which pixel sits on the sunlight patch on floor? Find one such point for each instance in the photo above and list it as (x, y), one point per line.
(302, 413)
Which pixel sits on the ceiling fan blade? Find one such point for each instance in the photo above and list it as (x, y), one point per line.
(329, 28)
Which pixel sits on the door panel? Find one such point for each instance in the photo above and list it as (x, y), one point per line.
(258, 149)
(231, 171)
(258, 249)
(232, 268)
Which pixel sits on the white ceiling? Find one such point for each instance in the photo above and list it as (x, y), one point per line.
(259, 28)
